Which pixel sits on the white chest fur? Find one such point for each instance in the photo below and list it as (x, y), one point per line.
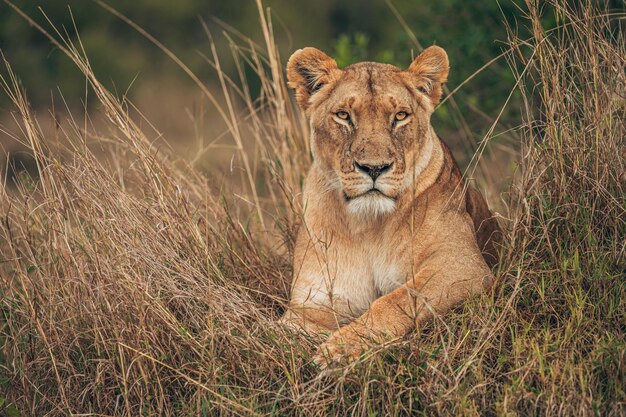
(371, 276)
(387, 277)
(352, 281)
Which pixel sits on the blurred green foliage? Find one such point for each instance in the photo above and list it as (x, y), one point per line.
(349, 49)
(352, 30)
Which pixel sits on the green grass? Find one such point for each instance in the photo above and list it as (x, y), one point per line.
(133, 285)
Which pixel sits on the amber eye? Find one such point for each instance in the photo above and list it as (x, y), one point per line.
(401, 116)
(343, 115)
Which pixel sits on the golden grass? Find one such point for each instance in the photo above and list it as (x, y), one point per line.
(132, 285)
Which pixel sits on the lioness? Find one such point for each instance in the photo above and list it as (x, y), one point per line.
(391, 233)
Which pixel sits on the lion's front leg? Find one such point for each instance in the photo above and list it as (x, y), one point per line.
(433, 289)
(384, 321)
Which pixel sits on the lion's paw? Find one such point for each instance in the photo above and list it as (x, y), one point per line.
(344, 346)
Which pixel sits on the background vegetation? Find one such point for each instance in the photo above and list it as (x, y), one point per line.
(351, 30)
(137, 282)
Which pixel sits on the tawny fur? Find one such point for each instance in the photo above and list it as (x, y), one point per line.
(371, 265)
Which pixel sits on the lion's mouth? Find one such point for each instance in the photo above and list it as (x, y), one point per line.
(371, 192)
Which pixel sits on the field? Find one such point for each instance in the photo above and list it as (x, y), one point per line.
(134, 284)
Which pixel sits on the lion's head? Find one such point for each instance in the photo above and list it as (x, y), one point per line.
(371, 133)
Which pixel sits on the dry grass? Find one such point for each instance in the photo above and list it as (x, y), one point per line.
(131, 285)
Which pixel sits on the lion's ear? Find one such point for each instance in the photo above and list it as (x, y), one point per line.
(430, 70)
(308, 70)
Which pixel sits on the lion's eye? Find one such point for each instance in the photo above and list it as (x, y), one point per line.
(343, 115)
(401, 116)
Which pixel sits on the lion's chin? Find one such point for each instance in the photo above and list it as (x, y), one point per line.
(371, 204)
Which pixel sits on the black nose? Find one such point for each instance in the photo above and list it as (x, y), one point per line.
(372, 170)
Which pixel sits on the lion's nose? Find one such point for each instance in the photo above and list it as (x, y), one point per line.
(373, 170)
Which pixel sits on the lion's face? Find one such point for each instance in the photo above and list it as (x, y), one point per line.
(370, 123)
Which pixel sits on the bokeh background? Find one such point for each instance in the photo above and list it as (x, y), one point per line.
(351, 30)
(473, 33)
